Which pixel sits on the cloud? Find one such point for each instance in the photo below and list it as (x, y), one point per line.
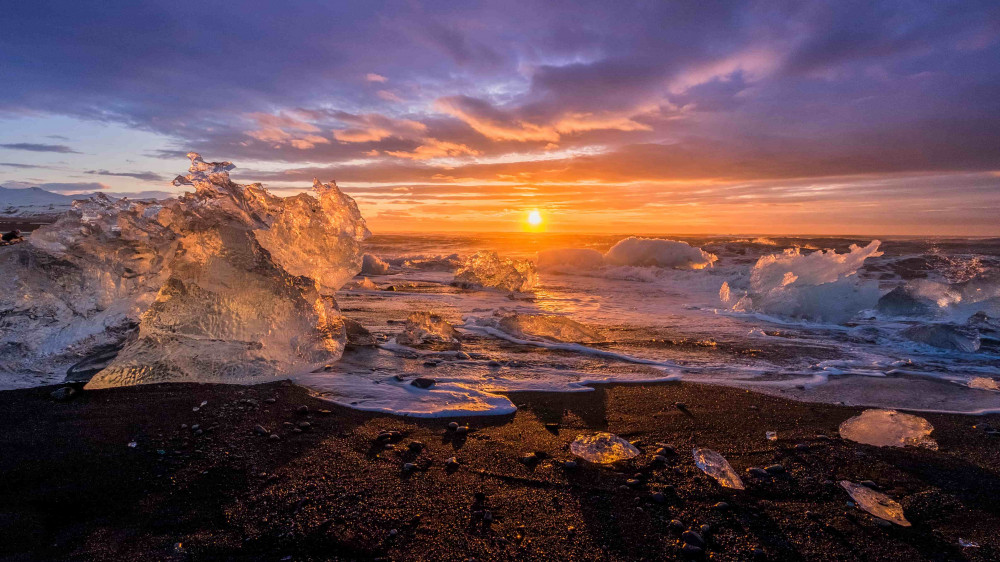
(372, 127)
(144, 176)
(20, 166)
(32, 147)
(433, 148)
(372, 77)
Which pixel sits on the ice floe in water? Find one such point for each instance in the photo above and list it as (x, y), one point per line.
(602, 448)
(876, 503)
(227, 284)
(546, 326)
(716, 466)
(424, 327)
(983, 383)
(658, 253)
(487, 270)
(820, 286)
(945, 336)
(889, 428)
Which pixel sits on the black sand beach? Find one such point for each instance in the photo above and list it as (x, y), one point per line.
(73, 488)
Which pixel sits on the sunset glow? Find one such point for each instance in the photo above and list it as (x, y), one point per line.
(534, 218)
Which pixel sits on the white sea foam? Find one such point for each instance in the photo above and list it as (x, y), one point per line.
(659, 253)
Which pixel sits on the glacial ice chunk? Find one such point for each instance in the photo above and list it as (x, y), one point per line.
(547, 326)
(820, 286)
(569, 260)
(602, 448)
(945, 336)
(487, 270)
(659, 253)
(423, 327)
(902, 302)
(889, 428)
(226, 284)
(373, 265)
(876, 503)
(716, 466)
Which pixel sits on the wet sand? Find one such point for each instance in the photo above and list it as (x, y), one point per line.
(74, 490)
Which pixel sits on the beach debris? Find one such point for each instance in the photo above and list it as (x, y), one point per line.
(63, 394)
(876, 503)
(602, 448)
(771, 435)
(889, 428)
(716, 466)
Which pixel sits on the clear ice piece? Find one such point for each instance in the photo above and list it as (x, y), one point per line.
(771, 436)
(602, 448)
(423, 327)
(487, 270)
(876, 503)
(889, 428)
(716, 466)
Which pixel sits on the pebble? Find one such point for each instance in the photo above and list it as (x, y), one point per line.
(693, 537)
(453, 426)
(552, 426)
(64, 393)
(452, 462)
(462, 429)
(757, 472)
(184, 426)
(869, 484)
(801, 446)
(529, 459)
(297, 430)
(415, 446)
(680, 405)
(721, 506)
(304, 425)
(570, 465)
(261, 430)
(634, 483)
(666, 451)
(270, 400)
(676, 525)
(275, 437)
(302, 410)
(423, 382)
(408, 466)
(705, 529)
(660, 459)
(692, 550)
(658, 497)
(775, 469)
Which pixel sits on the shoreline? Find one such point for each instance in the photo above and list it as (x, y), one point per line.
(75, 490)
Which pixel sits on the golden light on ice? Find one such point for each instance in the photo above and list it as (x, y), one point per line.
(534, 218)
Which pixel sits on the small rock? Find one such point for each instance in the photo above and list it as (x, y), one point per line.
(453, 426)
(462, 355)
(801, 446)
(569, 465)
(692, 550)
(302, 410)
(530, 459)
(757, 472)
(552, 426)
(660, 459)
(462, 429)
(775, 469)
(423, 382)
(869, 484)
(408, 467)
(270, 400)
(680, 405)
(634, 483)
(693, 538)
(63, 394)
(658, 497)
(675, 525)
(666, 451)
(415, 446)
(275, 437)
(721, 506)
(304, 425)
(297, 430)
(452, 462)
(260, 430)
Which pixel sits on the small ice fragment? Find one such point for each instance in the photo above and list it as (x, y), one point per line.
(204, 403)
(889, 428)
(132, 444)
(876, 503)
(195, 409)
(967, 544)
(423, 327)
(771, 436)
(716, 466)
(487, 270)
(602, 448)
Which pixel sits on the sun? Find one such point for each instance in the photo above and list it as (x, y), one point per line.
(534, 218)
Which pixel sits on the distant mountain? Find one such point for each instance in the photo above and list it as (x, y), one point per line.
(37, 203)
(32, 196)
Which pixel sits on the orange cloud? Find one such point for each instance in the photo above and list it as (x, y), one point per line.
(433, 148)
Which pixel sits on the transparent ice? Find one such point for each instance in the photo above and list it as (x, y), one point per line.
(716, 466)
(876, 503)
(602, 448)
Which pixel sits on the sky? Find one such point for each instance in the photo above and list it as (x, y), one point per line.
(627, 117)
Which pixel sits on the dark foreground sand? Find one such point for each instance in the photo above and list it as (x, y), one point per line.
(72, 489)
